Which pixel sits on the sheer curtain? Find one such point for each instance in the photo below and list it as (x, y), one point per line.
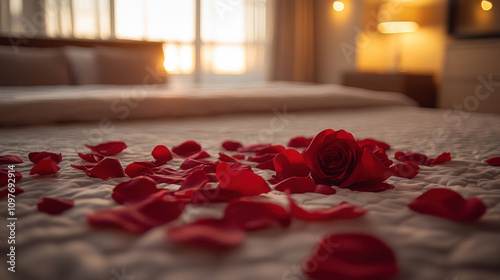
(293, 41)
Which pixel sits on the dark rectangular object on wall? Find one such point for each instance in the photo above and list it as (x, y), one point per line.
(474, 19)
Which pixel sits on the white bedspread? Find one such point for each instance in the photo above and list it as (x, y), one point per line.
(427, 247)
(55, 104)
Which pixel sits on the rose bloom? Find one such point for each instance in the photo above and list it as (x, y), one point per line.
(335, 158)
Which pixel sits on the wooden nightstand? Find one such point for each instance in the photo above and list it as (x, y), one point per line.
(419, 87)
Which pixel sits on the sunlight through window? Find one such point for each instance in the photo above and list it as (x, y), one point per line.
(228, 60)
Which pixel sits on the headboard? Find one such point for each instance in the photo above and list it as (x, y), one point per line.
(46, 61)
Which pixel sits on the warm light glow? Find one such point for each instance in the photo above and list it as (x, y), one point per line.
(228, 60)
(178, 59)
(397, 27)
(486, 5)
(338, 6)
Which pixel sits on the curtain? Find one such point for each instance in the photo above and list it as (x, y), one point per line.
(293, 41)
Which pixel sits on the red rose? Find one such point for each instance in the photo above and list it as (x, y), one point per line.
(335, 158)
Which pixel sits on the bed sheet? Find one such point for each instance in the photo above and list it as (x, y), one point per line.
(426, 247)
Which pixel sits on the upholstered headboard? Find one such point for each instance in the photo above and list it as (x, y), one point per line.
(42, 61)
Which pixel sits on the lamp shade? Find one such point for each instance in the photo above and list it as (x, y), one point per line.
(397, 27)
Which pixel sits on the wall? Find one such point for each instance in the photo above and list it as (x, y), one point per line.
(335, 39)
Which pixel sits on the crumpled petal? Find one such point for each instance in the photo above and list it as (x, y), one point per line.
(134, 190)
(351, 256)
(231, 145)
(407, 169)
(495, 161)
(35, 157)
(140, 217)
(4, 177)
(5, 191)
(10, 159)
(45, 166)
(340, 212)
(324, 189)
(91, 157)
(448, 204)
(54, 206)
(242, 180)
(249, 214)
(207, 233)
(105, 169)
(161, 154)
(196, 180)
(109, 148)
(296, 185)
(186, 149)
(300, 142)
(289, 163)
(371, 141)
(139, 168)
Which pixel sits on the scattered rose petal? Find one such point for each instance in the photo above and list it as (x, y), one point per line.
(266, 165)
(10, 159)
(109, 148)
(35, 157)
(448, 204)
(140, 217)
(105, 169)
(207, 195)
(244, 181)
(380, 154)
(495, 161)
(5, 191)
(134, 190)
(190, 163)
(91, 157)
(139, 168)
(200, 155)
(248, 214)
(342, 211)
(54, 206)
(207, 233)
(407, 169)
(422, 159)
(290, 163)
(252, 148)
(238, 156)
(370, 141)
(273, 149)
(324, 189)
(348, 256)
(161, 154)
(45, 166)
(4, 177)
(442, 158)
(187, 149)
(262, 158)
(231, 145)
(196, 180)
(228, 158)
(300, 142)
(296, 185)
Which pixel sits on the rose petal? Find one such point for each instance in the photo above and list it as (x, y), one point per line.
(5, 191)
(252, 148)
(139, 168)
(369, 170)
(370, 141)
(495, 161)
(228, 158)
(161, 154)
(200, 155)
(266, 165)
(442, 158)
(231, 145)
(262, 158)
(300, 142)
(290, 163)
(448, 204)
(109, 148)
(206, 195)
(207, 233)
(417, 158)
(4, 177)
(140, 217)
(244, 181)
(248, 214)
(54, 206)
(45, 166)
(134, 190)
(35, 157)
(105, 169)
(351, 256)
(10, 159)
(186, 149)
(273, 149)
(239, 156)
(324, 189)
(91, 157)
(407, 169)
(190, 163)
(296, 185)
(342, 211)
(195, 180)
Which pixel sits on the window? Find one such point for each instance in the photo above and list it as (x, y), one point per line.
(205, 40)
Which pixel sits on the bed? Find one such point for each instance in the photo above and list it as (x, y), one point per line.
(63, 119)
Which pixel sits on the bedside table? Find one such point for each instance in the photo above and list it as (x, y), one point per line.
(420, 88)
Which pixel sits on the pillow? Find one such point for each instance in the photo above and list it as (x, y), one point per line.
(21, 66)
(83, 65)
(123, 66)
